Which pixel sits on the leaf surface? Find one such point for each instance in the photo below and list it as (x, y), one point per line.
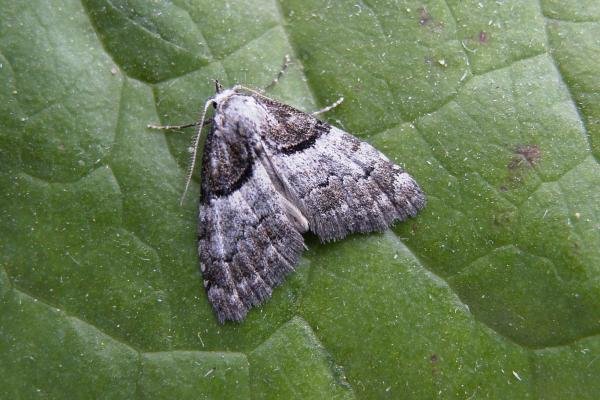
(492, 291)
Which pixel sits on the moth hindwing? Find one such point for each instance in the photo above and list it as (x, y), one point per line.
(271, 172)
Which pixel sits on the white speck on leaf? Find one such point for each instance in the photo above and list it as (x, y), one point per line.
(516, 375)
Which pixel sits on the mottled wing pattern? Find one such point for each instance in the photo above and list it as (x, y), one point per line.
(247, 243)
(341, 184)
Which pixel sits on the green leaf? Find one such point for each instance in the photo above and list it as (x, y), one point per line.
(493, 291)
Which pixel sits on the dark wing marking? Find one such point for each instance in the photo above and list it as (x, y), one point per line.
(226, 164)
(341, 184)
(247, 244)
(294, 130)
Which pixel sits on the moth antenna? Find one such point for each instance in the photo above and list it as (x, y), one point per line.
(194, 147)
(286, 63)
(329, 107)
(176, 127)
(256, 92)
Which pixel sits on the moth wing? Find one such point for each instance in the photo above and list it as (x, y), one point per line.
(340, 184)
(248, 242)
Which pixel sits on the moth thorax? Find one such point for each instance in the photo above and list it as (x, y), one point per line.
(244, 110)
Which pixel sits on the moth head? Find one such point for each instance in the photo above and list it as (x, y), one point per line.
(218, 90)
(220, 97)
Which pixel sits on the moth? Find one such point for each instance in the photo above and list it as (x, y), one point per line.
(271, 173)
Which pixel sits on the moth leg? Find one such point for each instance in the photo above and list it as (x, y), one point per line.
(284, 66)
(329, 107)
(175, 127)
